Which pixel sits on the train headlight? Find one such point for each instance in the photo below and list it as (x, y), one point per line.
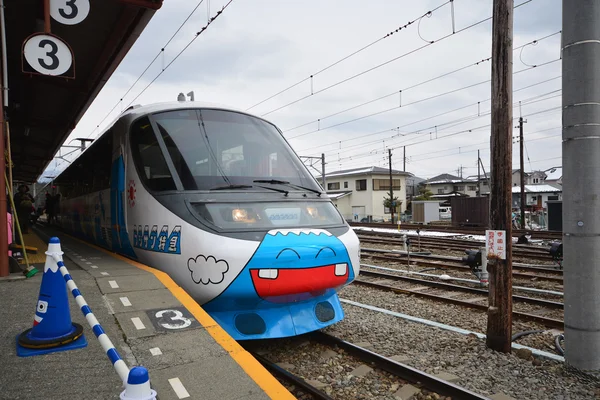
(313, 212)
(241, 215)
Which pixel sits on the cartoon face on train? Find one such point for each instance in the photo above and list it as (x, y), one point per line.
(289, 265)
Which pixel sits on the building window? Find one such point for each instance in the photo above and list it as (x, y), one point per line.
(345, 185)
(552, 197)
(440, 191)
(472, 188)
(459, 188)
(333, 186)
(536, 180)
(361, 184)
(384, 184)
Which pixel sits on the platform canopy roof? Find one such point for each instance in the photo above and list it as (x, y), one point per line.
(43, 110)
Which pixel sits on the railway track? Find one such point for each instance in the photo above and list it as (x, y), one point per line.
(450, 293)
(402, 371)
(460, 229)
(537, 273)
(449, 244)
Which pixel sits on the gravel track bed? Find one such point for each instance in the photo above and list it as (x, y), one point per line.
(478, 368)
(330, 369)
(402, 264)
(450, 314)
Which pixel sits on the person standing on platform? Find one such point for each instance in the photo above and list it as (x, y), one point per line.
(23, 204)
(50, 212)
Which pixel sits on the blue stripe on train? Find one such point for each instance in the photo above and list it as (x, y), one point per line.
(120, 239)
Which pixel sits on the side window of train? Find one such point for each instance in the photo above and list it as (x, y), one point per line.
(148, 157)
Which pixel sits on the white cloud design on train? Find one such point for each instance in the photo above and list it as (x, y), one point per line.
(207, 270)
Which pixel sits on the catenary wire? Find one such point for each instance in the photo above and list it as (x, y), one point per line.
(402, 91)
(161, 51)
(387, 62)
(350, 55)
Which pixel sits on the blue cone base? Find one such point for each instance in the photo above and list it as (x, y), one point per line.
(25, 352)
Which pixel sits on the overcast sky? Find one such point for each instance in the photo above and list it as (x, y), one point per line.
(257, 48)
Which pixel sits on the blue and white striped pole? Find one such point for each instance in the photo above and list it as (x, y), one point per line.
(136, 381)
(55, 252)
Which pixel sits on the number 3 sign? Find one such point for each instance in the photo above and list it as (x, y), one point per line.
(48, 55)
(69, 12)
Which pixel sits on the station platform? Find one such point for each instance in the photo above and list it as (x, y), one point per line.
(150, 320)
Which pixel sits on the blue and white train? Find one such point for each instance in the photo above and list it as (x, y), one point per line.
(218, 200)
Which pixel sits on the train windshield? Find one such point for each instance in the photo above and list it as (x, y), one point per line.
(215, 149)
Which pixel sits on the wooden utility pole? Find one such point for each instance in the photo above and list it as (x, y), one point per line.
(391, 186)
(522, 173)
(499, 326)
(478, 175)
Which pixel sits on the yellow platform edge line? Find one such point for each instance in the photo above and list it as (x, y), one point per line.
(266, 381)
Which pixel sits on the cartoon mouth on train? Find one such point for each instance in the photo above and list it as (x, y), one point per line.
(301, 261)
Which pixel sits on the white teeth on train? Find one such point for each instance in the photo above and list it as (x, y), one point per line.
(268, 273)
(340, 269)
(284, 232)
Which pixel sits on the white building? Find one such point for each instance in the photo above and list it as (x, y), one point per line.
(536, 196)
(446, 186)
(359, 193)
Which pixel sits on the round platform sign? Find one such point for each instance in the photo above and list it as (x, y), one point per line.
(69, 12)
(48, 55)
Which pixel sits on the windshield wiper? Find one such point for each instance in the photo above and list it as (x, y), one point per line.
(278, 182)
(226, 187)
(232, 187)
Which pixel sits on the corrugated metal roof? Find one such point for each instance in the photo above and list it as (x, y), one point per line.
(537, 189)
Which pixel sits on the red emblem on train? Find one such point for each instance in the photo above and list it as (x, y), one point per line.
(131, 193)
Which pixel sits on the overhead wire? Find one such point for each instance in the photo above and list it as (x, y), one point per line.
(470, 130)
(210, 21)
(161, 51)
(387, 62)
(405, 105)
(389, 34)
(438, 127)
(402, 91)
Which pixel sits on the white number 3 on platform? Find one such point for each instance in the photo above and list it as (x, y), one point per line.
(69, 12)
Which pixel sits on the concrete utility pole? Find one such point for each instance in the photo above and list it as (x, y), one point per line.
(323, 171)
(499, 325)
(404, 168)
(522, 174)
(581, 191)
(391, 186)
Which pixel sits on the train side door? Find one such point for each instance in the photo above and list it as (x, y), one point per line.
(120, 237)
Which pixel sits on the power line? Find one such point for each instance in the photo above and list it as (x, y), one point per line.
(401, 91)
(210, 21)
(387, 62)
(436, 127)
(162, 51)
(350, 55)
(406, 105)
(470, 130)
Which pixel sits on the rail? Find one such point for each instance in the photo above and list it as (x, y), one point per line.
(403, 371)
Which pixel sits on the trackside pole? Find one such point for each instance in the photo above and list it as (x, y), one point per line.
(137, 383)
(581, 190)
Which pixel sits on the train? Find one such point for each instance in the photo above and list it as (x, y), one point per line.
(216, 198)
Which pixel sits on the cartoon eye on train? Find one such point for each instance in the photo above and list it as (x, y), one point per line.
(217, 199)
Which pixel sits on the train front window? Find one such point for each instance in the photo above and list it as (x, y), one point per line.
(215, 148)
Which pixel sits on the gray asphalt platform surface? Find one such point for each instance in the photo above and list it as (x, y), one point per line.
(146, 323)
